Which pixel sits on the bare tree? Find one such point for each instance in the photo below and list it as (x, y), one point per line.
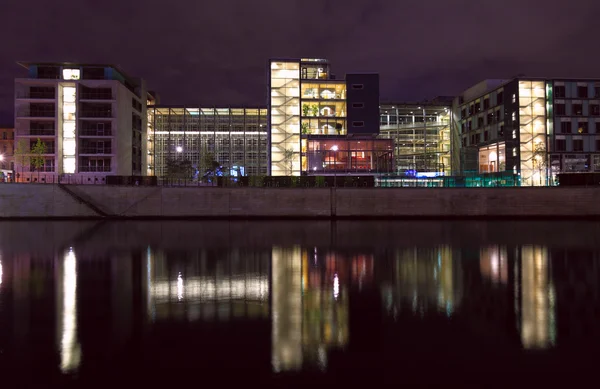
(289, 157)
(22, 153)
(540, 158)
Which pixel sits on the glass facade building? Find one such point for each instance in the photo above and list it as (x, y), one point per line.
(319, 124)
(236, 138)
(533, 128)
(421, 136)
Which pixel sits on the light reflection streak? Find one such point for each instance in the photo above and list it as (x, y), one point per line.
(69, 347)
(179, 287)
(207, 289)
(336, 286)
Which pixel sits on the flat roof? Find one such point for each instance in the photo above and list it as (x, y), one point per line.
(27, 64)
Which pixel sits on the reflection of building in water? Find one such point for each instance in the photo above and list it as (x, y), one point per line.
(66, 286)
(208, 286)
(576, 278)
(537, 310)
(310, 304)
(424, 280)
(286, 314)
(325, 300)
(493, 263)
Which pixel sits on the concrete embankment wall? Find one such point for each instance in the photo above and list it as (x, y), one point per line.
(51, 201)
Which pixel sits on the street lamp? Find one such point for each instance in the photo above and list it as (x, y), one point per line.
(179, 149)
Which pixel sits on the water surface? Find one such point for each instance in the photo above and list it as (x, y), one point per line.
(156, 304)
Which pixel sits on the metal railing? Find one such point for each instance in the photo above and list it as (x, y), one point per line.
(95, 150)
(36, 95)
(34, 113)
(95, 96)
(37, 132)
(95, 114)
(95, 132)
(86, 169)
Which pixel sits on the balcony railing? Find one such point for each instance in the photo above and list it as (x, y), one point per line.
(35, 113)
(95, 132)
(45, 169)
(36, 95)
(49, 150)
(36, 132)
(95, 150)
(95, 96)
(96, 114)
(86, 169)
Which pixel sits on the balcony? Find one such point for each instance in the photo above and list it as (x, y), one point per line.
(95, 150)
(49, 132)
(49, 151)
(34, 113)
(43, 169)
(96, 96)
(95, 132)
(88, 169)
(36, 95)
(95, 114)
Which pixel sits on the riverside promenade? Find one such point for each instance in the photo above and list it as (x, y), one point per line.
(44, 201)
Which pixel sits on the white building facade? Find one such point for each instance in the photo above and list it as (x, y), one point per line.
(91, 120)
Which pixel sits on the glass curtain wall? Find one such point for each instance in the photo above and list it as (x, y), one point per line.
(350, 156)
(421, 137)
(285, 118)
(532, 134)
(236, 138)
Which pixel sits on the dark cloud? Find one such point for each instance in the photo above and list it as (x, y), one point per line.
(192, 53)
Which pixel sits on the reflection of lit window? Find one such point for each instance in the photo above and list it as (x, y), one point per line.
(179, 287)
(69, 350)
(336, 287)
(71, 74)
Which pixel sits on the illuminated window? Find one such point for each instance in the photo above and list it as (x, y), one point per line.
(69, 147)
(514, 99)
(71, 74)
(69, 165)
(69, 129)
(514, 151)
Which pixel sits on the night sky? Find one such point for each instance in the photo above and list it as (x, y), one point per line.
(194, 54)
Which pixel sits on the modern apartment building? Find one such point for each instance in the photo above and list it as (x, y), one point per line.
(236, 138)
(321, 125)
(421, 134)
(90, 117)
(533, 127)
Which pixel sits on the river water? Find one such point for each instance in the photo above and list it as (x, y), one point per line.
(166, 304)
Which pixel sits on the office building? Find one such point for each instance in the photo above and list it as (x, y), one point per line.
(321, 125)
(421, 134)
(532, 127)
(236, 138)
(91, 119)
